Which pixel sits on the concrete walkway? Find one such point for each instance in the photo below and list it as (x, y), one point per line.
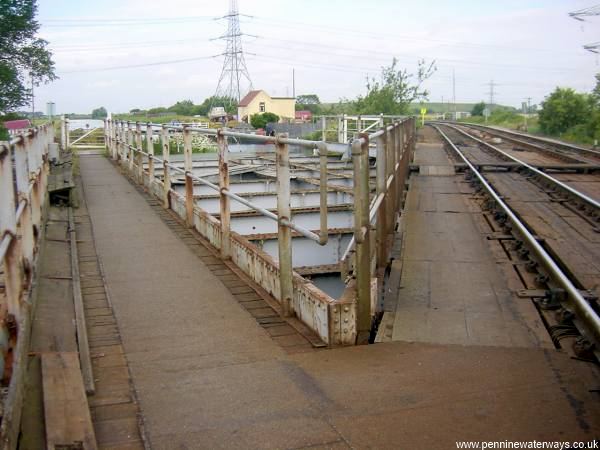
(208, 376)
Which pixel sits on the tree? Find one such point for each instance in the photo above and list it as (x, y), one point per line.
(308, 102)
(478, 109)
(99, 113)
(184, 108)
(261, 120)
(23, 56)
(395, 92)
(230, 105)
(563, 109)
(157, 110)
(308, 99)
(595, 95)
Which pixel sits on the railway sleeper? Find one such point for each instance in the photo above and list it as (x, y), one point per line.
(551, 298)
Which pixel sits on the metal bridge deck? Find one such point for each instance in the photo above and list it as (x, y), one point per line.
(454, 287)
(209, 374)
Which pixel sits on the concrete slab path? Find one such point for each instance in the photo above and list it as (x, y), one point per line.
(208, 376)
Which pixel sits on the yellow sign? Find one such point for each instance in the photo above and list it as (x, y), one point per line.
(423, 111)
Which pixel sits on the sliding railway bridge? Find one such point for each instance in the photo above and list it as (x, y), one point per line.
(402, 287)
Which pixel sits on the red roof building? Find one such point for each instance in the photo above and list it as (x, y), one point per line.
(15, 125)
(303, 115)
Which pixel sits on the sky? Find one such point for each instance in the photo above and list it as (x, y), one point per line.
(527, 47)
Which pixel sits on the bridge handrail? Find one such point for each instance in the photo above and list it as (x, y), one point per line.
(395, 145)
(24, 167)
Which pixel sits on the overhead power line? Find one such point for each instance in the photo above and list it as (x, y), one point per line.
(133, 66)
(585, 12)
(85, 23)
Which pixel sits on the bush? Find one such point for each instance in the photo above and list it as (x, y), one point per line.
(261, 120)
(564, 108)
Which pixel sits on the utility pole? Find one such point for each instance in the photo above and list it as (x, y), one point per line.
(294, 83)
(454, 94)
(491, 92)
(527, 109)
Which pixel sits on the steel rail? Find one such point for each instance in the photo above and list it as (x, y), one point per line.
(303, 231)
(579, 195)
(582, 308)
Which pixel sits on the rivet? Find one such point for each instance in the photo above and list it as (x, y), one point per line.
(336, 321)
(345, 309)
(345, 320)
(345, 330)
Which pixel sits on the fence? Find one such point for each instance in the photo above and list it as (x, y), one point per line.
(347, 127)
(24, 167)
(336, 322)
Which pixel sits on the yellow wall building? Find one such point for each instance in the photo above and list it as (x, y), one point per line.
(256, 102)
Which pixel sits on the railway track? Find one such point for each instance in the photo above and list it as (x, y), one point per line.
(558, 149)
(555, 232)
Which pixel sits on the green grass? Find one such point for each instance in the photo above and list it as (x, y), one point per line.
(162, 119)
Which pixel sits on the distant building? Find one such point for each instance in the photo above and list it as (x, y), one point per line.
(257, 102)
(15, 127)
(217, 113)
(304, 116)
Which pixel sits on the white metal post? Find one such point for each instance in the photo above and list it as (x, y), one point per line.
(224, 200)
(284, 236)
(150, 151)
(189, 183)
(164, 137)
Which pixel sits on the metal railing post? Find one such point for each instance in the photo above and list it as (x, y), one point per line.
(115, 148)
(67, 135)
(224, 199)
(360, 159)
(189, 182)
(130, 147)
(138, 155)
(23, 197)
(284, 235)
(164, 138)
(324, 128)
(397, 165)
(63, 133)
(323, 212)
(150, 151)
(121, 143)
(13, 269)
(381, 228)
(107, 136)
(389, 171)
